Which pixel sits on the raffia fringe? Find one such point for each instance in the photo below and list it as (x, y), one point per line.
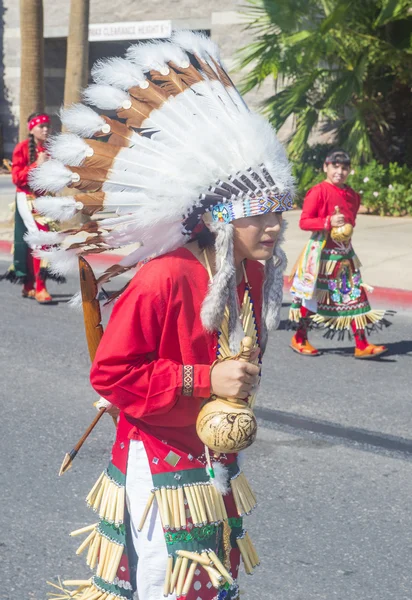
(103, 552)
(243, 495)
(206, 506)
(107, 498)
(85, 590)
(344, 322)
(179, 576)
(295, 315)
(205, 503)
(62, 593)
(327, 266)
(247, 550)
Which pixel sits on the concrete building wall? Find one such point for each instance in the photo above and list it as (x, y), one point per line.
(220, 18)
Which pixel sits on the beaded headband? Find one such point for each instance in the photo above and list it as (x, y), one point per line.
(39, 120)
(256, 204)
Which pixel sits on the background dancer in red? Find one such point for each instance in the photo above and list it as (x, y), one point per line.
(27, 268)
(327, 286)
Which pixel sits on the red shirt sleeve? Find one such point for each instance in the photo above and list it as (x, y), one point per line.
(310, 219)
(20, 167)
(127, 370)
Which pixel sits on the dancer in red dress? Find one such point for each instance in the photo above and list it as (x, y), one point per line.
(327, 286)
(27, 268)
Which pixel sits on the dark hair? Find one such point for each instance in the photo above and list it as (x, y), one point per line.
(340, 157)
(204, 237)
(32, 141)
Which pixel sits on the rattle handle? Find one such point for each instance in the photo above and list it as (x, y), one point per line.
(247, 345)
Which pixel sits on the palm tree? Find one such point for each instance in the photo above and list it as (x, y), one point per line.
(77, 61)
(32, 61)
(338, 65)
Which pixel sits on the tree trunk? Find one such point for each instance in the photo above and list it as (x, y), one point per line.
(77, 61)
(32, 95)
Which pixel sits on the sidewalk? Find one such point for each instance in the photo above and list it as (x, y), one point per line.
(383, 244)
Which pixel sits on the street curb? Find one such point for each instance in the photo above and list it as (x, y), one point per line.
(391, 297)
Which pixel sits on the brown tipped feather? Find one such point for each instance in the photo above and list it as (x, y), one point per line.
(172, 84)
(111, 272)
(223, 76)
(153, 95)
(117, 140)
(91, 180)
(120, 134)
(189, 75)
(207, 70)
(92, 202)
(138, 112)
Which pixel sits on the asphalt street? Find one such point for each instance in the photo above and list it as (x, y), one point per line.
(331, 467)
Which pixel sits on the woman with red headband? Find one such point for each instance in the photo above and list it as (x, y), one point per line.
(27, 268)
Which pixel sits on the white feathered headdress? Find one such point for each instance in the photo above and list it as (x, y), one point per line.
(184, 143)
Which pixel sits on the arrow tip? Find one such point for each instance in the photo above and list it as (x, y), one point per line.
(66, 464)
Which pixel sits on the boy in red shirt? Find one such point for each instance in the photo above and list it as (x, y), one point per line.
(200, 182)
(327, 285)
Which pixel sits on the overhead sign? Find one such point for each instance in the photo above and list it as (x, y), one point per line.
(130, 30)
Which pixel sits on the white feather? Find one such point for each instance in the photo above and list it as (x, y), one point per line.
(196, 43)
(159, 239)
(60, 261)
(51, 176)
(68, 148)
(221, 478)
(105, 97)
(156, 55)
(43, 238)
(57, 208)
(118, 72)
(82, 120)
(76, 301)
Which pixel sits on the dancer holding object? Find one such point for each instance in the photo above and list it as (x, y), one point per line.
(327, 285)
(201, 182)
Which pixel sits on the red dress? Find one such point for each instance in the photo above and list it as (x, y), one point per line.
(341, 298)
(26, 267)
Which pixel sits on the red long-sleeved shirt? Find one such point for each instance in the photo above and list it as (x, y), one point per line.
(320, 202)
(155, 329)
(21, 167)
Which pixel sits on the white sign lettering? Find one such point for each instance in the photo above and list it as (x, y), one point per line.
(130, 30)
